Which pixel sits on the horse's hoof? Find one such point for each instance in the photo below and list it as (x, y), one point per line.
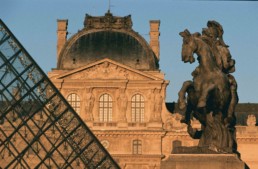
(201, 104)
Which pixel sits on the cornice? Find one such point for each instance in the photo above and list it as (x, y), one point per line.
(143, 73)
(115, 133)
(137, 156)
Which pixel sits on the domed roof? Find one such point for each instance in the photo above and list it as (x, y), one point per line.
(107, 37)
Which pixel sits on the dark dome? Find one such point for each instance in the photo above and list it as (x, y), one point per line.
(126, 47)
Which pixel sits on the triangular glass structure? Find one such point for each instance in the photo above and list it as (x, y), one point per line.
(38, 128)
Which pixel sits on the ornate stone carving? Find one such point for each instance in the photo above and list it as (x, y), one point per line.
(108, 22)
(158, 106)
(173, 123)
(107, 70)
(122, 102)
(67, 92)
(105, 143)
(251, 120)
(155, 105)
(151, 98)
(89, 103)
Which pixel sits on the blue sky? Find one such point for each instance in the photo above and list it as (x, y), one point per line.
(34, 24)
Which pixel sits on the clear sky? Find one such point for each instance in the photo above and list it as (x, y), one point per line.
(33, 22)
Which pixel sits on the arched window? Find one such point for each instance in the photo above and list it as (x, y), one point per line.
(74, 101)
(176, 143)
(137, 147)
(105, 108)
(137, 108)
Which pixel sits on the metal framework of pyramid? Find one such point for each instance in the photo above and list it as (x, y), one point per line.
(38, 128)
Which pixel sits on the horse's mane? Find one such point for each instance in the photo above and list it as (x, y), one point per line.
(196, 34)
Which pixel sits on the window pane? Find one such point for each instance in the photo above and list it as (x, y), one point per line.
(137, 108)
(137, 147)
(74, 101)
(105, 108)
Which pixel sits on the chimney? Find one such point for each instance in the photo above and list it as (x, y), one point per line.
(61, 34)
(154, 36)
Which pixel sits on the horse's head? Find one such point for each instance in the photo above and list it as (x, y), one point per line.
(189, 46)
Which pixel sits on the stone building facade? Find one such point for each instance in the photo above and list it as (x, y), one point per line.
(111, 77)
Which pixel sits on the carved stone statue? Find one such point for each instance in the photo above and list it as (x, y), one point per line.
(173, 123)
(151, 98)
(155, 105)
(122, 105)
(89, 103)
(212, 94)
(251, 120)
(158, 99)
(107, 22)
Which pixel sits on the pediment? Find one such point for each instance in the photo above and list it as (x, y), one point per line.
(106, 69)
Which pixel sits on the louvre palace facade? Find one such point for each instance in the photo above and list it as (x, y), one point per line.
(110, 76)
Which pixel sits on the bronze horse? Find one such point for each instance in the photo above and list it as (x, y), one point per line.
(208, 97)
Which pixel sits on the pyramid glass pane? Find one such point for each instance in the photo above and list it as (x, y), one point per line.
(38, 128)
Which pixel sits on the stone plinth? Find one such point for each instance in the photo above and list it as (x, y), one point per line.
(202, 161)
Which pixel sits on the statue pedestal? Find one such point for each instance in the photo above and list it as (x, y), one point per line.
(202, 161)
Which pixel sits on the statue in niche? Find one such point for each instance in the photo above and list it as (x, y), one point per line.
(122, 105)
(158, 100)
(212, 94)
(151, 98)
(89, 103)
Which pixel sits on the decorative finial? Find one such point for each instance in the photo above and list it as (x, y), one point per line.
(108, 6)
(251, 120)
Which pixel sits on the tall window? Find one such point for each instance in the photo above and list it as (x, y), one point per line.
(137, 147)
(137, 108)
(105, 108)
(74, 101)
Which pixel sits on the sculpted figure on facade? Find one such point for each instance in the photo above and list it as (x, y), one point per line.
(89, 103)
(151, 99)
(251, 120)
(107, 70)
(211, 95)
(155, 105)
(122, 102)
(108, 22)
(158, 100)
(173, 122)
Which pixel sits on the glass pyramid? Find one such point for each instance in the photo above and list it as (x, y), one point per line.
(38, 128)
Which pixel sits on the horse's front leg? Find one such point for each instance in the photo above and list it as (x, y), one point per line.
(206, 88)
(234, 96)
(230, 119)
(187, 118)
(181, 94)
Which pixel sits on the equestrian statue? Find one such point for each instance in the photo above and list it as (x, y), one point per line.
(211, 96)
